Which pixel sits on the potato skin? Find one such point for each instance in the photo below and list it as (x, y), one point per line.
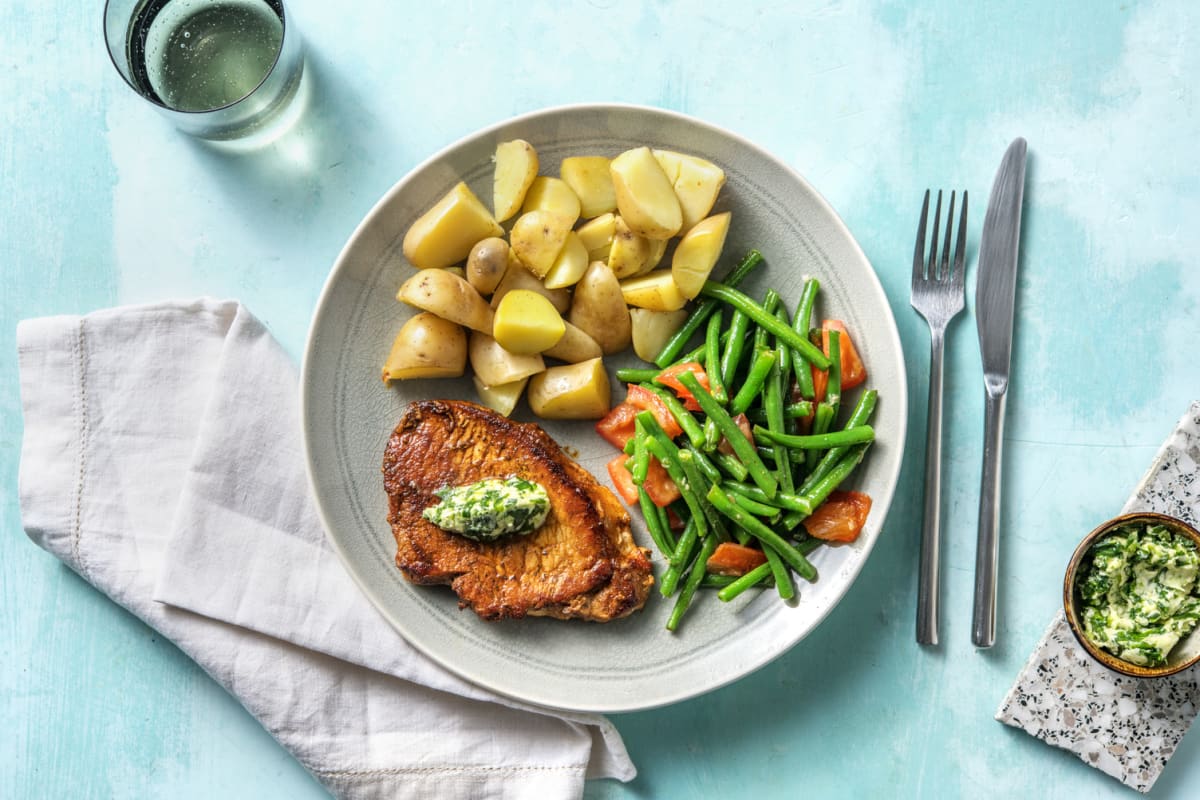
(572, 391)
(646, 199)
(427, 346)
(516, 169)
(599, 309)
(495, 366)
(487, 264)
(449, 297)
(445, 234)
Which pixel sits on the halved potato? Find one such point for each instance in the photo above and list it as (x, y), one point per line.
(574, 346)
(427, 346)
(445, 234)
(658, 248)
(518, 277)
(645, 197)
(696, 182)
(503, 398)
(526, 323)
(572, 391)
(599, 309)
(589, 176)
(597, 235)
(655, 290)
(496, 366)
(570, 265)
(516, 168)
(551, 194)
(697, 253)
(629, 252)
(538, 237)
(652, 329)
(449, 297)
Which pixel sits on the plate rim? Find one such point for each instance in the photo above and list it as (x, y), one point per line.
(340, 265)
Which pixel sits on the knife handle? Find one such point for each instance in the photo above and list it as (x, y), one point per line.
(928, 581)
(987, 547)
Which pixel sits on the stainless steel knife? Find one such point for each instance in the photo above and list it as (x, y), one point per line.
(995, 293)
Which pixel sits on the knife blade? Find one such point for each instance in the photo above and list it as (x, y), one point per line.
(995, 297)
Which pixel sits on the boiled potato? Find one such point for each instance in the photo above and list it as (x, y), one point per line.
(697, 253)
(487, 263)
(570, 265)
(449, 296)
(516, 169)
(574, 346)
(652, 329)
(495, 366)
(551, 194)
(517, 277)
(597, 235)
(589, 176)
(599, 309)
(696, 183)
(645, 197)
(427, 347)
(655, 290)
(658, 248)
(538, 237)
(572, 391)
(445, 234)
(629, 252)
(503, 398)
(526, 323)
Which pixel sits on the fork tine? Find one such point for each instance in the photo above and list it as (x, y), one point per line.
(960, 249)
(933, 242)
(919, 254)
(944, 271)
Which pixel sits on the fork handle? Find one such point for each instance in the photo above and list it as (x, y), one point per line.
(929, 580)
(987, 547)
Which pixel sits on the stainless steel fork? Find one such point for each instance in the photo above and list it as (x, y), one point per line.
(937, 295)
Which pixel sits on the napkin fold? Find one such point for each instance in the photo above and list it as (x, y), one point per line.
(162, 462)
(1126, 727)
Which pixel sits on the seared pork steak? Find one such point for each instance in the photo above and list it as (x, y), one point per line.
(582, 563)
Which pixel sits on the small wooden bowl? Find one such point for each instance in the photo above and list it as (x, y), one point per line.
(1183, 655)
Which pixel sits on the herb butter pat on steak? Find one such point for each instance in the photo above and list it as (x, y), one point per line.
(580, 563)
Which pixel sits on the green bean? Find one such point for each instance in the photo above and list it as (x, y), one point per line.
(759, 509)
(758, 530)
(822, 488)
(743, 583)
(783, 579)
(671, 462)
(634, 375)
(788, 502)
(664, 524)
(741, 446)
(706, 466)
(692, 583)
(703, 311)
(713, 581)
(731, 357)
(699, 486)
(790, 411)
(677, 566)
(756, 313)
(760, 369)
(639, 463)
(694, 432)
(730, 465)
(833, 390)
(859, 416)
(773, 406)
(822, 419)
(823, 441)
(800, 324)
(712, 357)
(770, 303)
(653, 524)
(785, 353)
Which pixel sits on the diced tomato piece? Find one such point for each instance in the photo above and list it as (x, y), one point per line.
(840, 518)
(731, 558)
(853, 371)
(646, 400)
(617, 426)
(659, 486)
(622, 480)
(667, 378)
(743, 423)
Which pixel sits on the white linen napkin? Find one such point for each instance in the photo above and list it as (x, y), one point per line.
(1126, 727)
(162, 462)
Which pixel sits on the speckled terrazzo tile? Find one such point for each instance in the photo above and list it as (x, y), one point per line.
(1126, 727)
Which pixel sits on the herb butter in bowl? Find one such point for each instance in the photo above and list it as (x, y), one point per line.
(1132, 595)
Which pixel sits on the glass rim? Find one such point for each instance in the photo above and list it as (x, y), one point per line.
(153, 98)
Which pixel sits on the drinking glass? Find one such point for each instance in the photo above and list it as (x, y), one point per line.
(218, 69)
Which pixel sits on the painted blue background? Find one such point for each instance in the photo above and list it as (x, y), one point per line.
(102, 203)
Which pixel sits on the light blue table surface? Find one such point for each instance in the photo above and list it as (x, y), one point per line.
(102, 203)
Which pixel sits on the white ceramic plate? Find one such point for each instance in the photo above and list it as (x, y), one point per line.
(348, 415)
